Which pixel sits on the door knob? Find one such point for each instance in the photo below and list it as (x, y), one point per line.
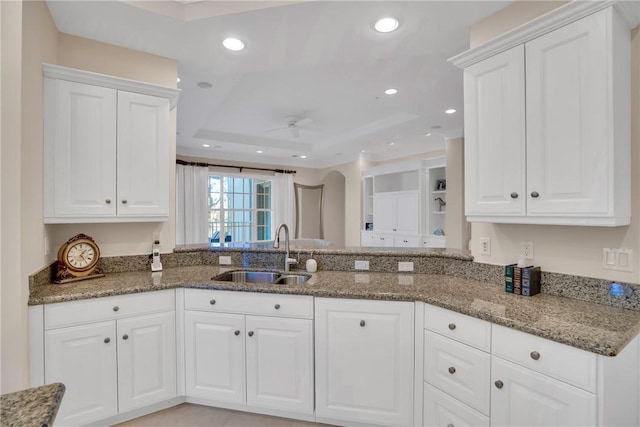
(514, 195)
(362, 323)
(535, 355)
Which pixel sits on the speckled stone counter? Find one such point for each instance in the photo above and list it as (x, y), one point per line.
(36, 406)
(593, 327)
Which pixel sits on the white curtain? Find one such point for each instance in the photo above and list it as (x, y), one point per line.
(192, 205)
(284, 202)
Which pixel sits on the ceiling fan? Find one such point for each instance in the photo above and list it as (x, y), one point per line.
(294, 124)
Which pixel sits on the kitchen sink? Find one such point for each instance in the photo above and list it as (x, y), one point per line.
(270, 277)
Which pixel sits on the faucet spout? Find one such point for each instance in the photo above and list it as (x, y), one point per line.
(276, 244)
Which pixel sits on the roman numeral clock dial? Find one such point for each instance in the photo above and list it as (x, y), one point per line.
(78, 259)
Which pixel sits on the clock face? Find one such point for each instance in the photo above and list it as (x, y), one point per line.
(81, 256)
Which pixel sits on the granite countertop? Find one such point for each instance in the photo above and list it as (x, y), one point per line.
(36, 406)
(597, 328)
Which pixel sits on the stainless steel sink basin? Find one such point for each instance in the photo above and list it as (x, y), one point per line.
(270, 277)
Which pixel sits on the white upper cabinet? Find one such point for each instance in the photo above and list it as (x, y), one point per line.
(106, 148)
(561, 153)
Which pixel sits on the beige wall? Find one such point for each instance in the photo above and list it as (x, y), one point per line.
(457, 228)
(128, 238)
(334, 214)
(562, 249)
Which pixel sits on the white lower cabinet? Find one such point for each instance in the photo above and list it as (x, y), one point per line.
(521, 397)
(364, 361)
(263, 361)
(440, 409)
(113, 354)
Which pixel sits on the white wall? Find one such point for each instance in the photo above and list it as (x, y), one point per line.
(563, 249)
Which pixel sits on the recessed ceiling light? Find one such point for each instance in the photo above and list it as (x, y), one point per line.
(259, 151)
(303, 157)
(233, 44)
(429, 134)
(450, 111)
(178, 79)
(205, 85)
(386, 25)
(362, 151)
(391, 143)
(391, 91)
(206, 145)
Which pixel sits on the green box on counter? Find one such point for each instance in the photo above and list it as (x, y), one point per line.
(508, 278)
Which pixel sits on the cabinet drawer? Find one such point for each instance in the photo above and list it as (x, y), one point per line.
(249, 303)
(557, 360)
(459, 327)
(441, 409)
(460, 370)
(98, 309)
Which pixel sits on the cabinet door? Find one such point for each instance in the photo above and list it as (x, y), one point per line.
(569, 151)
(407, 212)
(280, 363)
(526, 398)
(384, 212)
(494, 128)
(146, 360)
(407, 241)
(143, 155)
(214, 356)
(80, 138)
(83, 358)
(443, 410)
(364, 361)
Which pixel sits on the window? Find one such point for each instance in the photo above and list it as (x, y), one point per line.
(239, 208)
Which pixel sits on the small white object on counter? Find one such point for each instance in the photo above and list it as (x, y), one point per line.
(312, 265)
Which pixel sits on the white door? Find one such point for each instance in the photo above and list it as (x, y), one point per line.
(494, 128)
(83, 358)
(364, 361)
(521, 397)
(81, 138)
(280, 363)
(384, 212)
(407, 212)
(569, 155)
(143, 155)
(214, 356)
(146, 360)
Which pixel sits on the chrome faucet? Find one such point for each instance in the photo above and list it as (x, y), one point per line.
(276, 244)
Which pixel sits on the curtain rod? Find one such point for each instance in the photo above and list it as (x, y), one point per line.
(182, 162)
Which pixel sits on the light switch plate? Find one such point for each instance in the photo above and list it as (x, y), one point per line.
(361, 265)
(405, 266)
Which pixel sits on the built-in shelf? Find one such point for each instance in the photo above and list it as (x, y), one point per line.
(439, 212)
(439, 192)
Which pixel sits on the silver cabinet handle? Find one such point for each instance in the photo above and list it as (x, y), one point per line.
(277, 306)
(107, 340)
(452, 370)
(450, 425)
(250, 333)
(116, 308)
(212, 302)
(108, 201)
(535, 355)
(514, 195)
(236, 333)
(499, 384)
(362, 323)
(535, 194)
(125, 337)
(452, 326)
(124, 201)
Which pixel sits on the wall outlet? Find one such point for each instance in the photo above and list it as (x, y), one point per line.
(485, 246)
(405, 266)
(526, 250)
(224, 260)
(361, 265)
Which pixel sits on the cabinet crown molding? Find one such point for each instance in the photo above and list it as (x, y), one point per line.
(563, 15)
(97, 79)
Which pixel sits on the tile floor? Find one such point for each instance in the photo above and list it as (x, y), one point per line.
(190, 415)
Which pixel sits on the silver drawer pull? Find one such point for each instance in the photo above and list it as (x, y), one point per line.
(362, 323)
(452, 370)
(499, 384)
(212, 302)
(452, 326)
(535, 355)
(116, 308)
(107, 340)
(236, 333)
(125, 337)
(277, 306)
(450, 425)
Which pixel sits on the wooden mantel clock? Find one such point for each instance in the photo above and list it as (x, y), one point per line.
(78, 259)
